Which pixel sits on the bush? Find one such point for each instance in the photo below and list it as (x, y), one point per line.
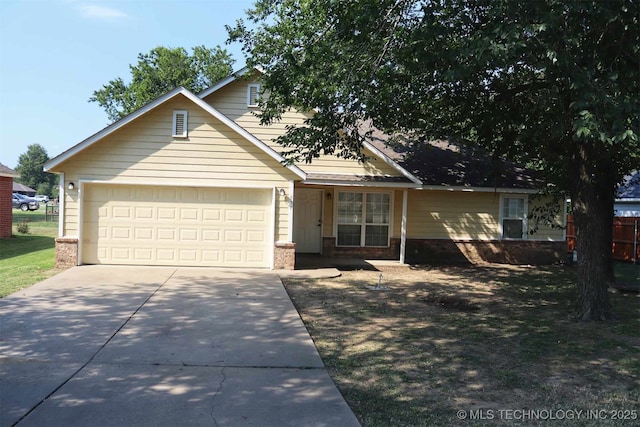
(23, 226)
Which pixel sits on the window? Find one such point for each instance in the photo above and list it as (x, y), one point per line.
(363, 219)
(179, 128)
(514, 217)
(253, 94)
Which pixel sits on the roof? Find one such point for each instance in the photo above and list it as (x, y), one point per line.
(8, 172)
(52, 163)
(441, 163)
(630, 188)
(17, 187)
(227, 80)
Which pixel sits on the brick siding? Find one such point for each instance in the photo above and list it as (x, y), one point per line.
(6, 212)
(284, 256)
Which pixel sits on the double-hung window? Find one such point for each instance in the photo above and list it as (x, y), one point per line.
(363, 219)
(514, 217)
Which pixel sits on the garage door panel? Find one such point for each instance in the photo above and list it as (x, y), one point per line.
(173, 226)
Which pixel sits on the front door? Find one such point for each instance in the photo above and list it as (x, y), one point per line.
(307, 222)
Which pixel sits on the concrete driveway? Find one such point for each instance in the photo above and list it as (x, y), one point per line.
(105, 345)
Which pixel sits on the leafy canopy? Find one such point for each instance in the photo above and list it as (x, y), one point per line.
(529, 80)
(30, 168)
(159, 71)
(550, 83)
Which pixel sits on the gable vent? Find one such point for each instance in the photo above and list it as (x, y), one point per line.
(180, 123)
(253, 93)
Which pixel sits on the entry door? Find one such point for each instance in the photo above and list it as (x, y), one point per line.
(307, 223)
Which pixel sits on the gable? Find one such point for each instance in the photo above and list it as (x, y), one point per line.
(146, 150)
(230, 98)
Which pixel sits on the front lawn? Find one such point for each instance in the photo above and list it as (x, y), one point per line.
(468, 346)
(26, 259)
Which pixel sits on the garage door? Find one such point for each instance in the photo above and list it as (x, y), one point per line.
(176, 226)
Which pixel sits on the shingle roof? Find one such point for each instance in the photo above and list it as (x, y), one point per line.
(438, 163)
(630, 189)
(7, 171)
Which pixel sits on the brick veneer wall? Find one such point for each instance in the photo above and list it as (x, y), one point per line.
(330, 249)
(66, 252)
(284, 256)
(6, 212)
(497, 251)
(457, 252)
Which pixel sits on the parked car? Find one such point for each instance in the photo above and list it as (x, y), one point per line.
(42, 198)
(24, 203)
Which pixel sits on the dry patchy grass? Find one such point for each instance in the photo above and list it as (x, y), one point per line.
(492, 338)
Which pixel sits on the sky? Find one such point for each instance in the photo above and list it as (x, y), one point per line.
(55, 53)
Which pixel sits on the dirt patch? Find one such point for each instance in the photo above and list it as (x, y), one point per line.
(421, 345)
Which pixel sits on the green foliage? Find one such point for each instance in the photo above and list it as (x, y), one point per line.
(30, 167)
(159, 71)
(23, 226)
(551, 83)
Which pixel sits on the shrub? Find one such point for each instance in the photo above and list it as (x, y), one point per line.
(23, 226)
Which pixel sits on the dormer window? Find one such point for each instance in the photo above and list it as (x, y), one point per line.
(180, 123)
(253, 94)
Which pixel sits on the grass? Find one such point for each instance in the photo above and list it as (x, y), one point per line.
(26, 259)
(627, 272)
(495, 338)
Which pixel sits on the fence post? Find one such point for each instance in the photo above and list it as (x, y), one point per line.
(635, 241)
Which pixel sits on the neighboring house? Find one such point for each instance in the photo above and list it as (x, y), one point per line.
(6, 191)
(195, 180)
(628, 199)
(23, 189)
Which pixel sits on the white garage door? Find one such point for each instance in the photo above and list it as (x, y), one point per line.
(145, 225)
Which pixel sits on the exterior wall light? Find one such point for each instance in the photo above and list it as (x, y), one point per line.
(71, 186)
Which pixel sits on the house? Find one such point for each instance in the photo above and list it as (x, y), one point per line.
(6, 190)
(23, 189)
(195, 180)
(627, 203)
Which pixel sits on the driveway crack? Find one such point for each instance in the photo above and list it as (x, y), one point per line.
(98, 351)
(215, 395)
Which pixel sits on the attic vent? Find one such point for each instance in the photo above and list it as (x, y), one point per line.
(180, 124)
(253, 93)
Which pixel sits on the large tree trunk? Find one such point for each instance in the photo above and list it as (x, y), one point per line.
(592, 202)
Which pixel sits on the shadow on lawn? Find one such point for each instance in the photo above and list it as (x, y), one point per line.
(19, 245)
(450, 338)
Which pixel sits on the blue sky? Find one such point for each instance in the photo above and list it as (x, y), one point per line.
(55, 53)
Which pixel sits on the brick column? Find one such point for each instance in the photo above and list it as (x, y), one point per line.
(66, 252)
(284, 256)
(6, 213)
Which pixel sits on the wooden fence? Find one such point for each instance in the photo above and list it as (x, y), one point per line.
(626, 238)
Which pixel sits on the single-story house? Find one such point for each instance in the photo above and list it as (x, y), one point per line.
(196, 180)
(6, 191)
(627, 202)
(23, 189)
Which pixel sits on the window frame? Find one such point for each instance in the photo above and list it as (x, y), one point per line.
(363, 221)
(524, 219)
(255, 102)
(185, 124)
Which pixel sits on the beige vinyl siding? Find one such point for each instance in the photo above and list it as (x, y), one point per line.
(231, 100)
(546, 231)
(452, 215)
(462, 215)
(145, 152)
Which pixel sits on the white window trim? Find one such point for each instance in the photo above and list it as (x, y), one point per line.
(174, 132)
(363, 224)
(255, 86)
(525, 223)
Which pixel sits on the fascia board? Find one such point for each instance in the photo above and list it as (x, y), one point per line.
(244, 133)
(52, 163)
(391, 163)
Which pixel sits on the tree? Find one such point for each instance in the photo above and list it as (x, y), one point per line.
(31, 168)
(159, 71)
(550, 83)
